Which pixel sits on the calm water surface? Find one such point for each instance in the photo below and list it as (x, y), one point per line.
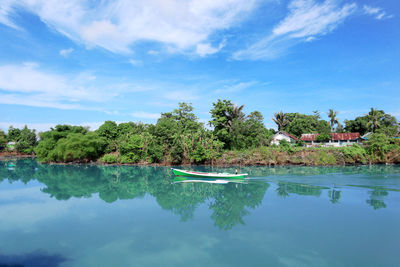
(138, 216)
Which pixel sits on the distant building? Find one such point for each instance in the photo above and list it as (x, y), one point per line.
(283, 136)
(337, 139)
(11, 146)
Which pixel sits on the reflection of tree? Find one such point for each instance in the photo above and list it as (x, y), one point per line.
(286, 188)
(17, 170)
(376, 198)
(230, 203)
(334, 195)
(282, 190)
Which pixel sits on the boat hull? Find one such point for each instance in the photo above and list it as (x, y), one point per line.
(184, 173)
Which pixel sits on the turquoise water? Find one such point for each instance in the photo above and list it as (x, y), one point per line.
(138, 216)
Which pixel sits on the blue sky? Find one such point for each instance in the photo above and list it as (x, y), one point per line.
(84, 62)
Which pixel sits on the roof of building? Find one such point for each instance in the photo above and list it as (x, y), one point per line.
(308, 137)
(289, 135)
(334, 136)
(344, 136)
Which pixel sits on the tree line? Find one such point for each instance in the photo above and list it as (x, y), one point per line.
(179, 137)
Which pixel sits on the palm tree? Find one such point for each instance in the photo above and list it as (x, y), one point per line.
(332, 115)
(281, 119)
(234, 113)
(374, 117)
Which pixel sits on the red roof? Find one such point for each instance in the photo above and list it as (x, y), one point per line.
(308, 137)
(334, 136)
(344, 136)
(291, 136)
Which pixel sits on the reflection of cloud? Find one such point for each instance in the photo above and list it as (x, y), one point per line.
(27, 206)
(140, 248)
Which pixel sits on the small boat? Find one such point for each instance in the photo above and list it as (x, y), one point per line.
(214, 175)
(182, 179)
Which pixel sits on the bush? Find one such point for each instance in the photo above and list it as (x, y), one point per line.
(77, 147)
(324, 137)
(378, 145)
(109, 158)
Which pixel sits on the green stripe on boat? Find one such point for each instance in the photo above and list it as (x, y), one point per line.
(185, 173)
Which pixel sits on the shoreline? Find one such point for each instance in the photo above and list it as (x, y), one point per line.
(218, 163)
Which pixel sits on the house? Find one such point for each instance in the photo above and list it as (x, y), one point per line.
(309, 139)
(10, 146)
(283, 136)
(337, 139)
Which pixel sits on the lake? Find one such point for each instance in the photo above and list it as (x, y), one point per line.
(84, 215)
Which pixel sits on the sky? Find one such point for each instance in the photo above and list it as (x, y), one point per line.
(83, 62)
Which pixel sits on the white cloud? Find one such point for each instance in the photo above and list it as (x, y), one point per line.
(28, 85)
(307, 19)
(6, 12)
(377, 12)
(145, 115)
(236, 87)
(182, 95)
(66, 52)
(205, 49)
(153, 52)
(117, 25)
(135, 62)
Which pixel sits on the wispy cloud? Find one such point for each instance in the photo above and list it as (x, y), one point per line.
(117, 25)
(181, 95)
(135, 62)
(238, 87)
(306, 20)
(145, 115)
(205, 49)
(6, 14)
(66, 52)
(377, 12)
(27, 84)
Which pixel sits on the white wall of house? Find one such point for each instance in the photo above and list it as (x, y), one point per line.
(334, 144)
(278, 137)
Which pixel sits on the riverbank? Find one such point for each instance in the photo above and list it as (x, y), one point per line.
(14, 154)
(265, 156)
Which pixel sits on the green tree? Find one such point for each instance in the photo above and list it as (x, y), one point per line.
(227, 119)
(374, 118)
(78, 147)
(378, 145)
(26, 141)
(301, 123)
(13, 134)
(323, 137)
(333, 119)
(359, 125)
(3, 139)
(109, 131)
(281, 119)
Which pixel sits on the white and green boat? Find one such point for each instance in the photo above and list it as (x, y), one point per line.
(212, 175)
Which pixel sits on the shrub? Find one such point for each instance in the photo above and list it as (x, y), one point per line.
(378, 145)
(109, 158)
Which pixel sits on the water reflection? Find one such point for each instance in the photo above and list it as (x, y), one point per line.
(229, 200)
(37, 258)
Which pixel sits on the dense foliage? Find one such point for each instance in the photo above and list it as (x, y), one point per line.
(179, 137)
